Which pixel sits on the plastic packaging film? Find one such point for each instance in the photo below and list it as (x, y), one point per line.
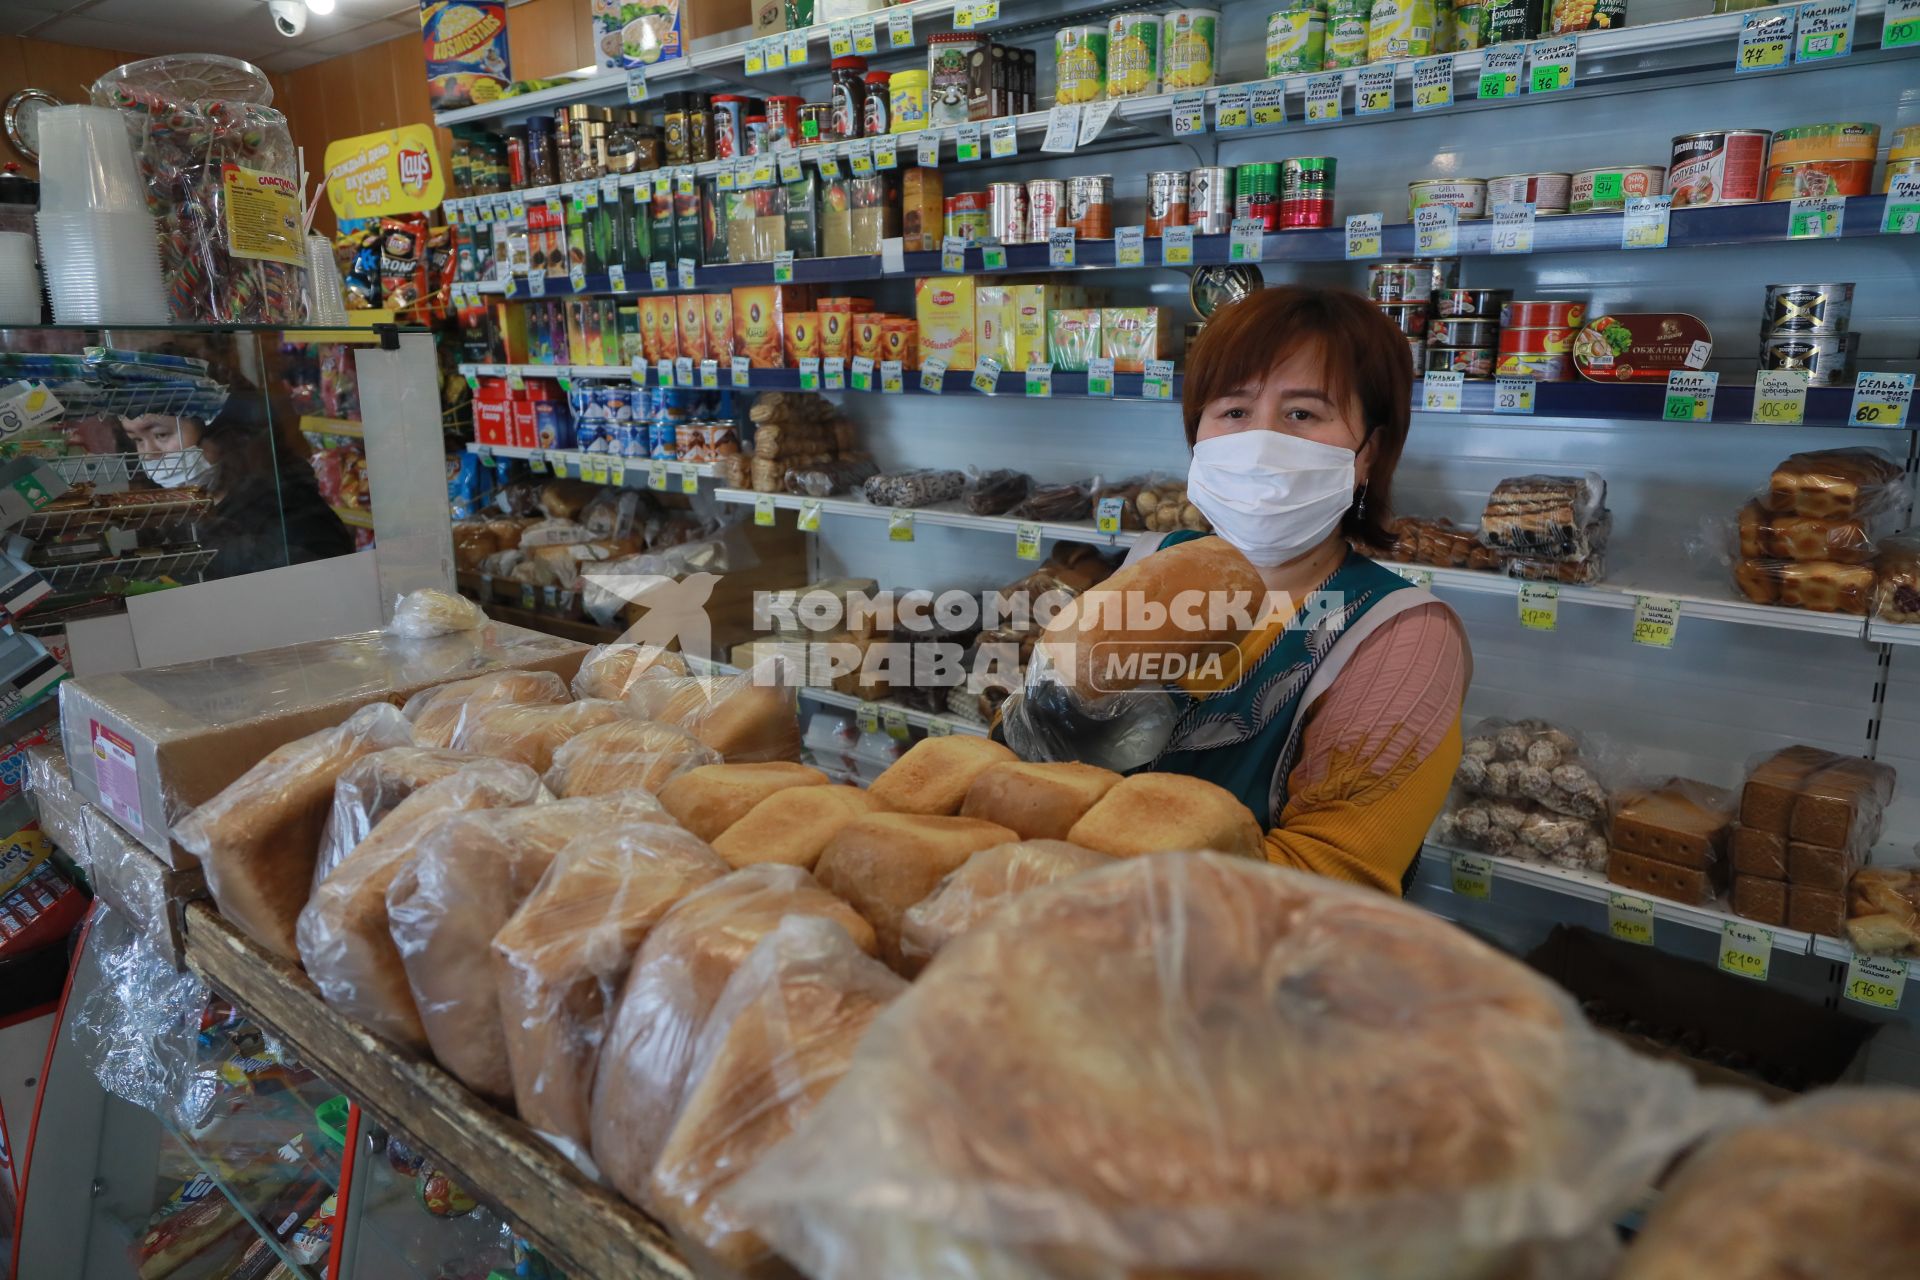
(140, 1017)
(368, 791)
(344, 942)
(529, 733)
(611, 670)
(1812, 538)
(625, 755)
(468, 876)
(749, 718)
(1192, 1063)
(985, 883)
(439, 716)
(423, 614)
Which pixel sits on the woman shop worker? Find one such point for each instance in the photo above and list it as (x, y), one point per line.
(1341, 736)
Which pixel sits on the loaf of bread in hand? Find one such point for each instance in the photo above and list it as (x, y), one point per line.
(711, 798)
(259, 837)
(793, 826)
(1824, 586)
(439, 715)
(1834, 483)
(980, 886)
(933, 776)
(625, 755)
(1037, 801)
(1783, 535)
(1165, 813)
(530, 732)
(611, 670)
(885, 863)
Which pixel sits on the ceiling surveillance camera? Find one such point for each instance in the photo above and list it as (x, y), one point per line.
(289, 17)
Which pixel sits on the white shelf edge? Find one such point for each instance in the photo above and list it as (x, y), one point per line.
(636, 467)
(932, 516)
(1834, 949)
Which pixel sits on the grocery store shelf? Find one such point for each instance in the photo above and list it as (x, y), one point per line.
(1126, 386)
(632, 473)
(945, 516)
(1841, 952)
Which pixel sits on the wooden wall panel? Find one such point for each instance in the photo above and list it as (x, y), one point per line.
(66, 71)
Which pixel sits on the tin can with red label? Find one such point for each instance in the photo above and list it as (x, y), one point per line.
(1473, 362)
(1556, 313)
(1546, 192)
(1719, 166)
(1009, 212)
(1166, 200)
(783, 120)
(1306, 192)
(1409, 318)
(1046, 207)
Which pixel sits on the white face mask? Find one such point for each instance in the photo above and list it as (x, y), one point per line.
(1274, 497)
(178, 470)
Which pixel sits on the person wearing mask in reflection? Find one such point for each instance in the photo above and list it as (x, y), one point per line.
(1342, 734)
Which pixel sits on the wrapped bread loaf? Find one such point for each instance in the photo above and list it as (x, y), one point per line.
(935, 773)
(370, 789)
(980, 886)
(886, 863)
(793, 826)
(1896, 592)
(530, 732)
(749, 718)
(711, 798)
(259, 837)
(1680, 821)
(467, 877)
(1783, 535)
(625, 755)
(677, 978)
(559, 962)
(1037, 801)
(1883, 910)
(438, 715)
(344, 942)
(1168, 812)
(1835, 484)
(1824, 586)
(611, 670)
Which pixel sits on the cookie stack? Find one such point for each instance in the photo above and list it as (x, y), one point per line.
(1809, 541)
(1808, 818)
(1549, 528)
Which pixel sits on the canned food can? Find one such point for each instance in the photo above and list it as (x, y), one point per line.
(1484, 304)
(1409, 318)
(1546, 192)
(1469, 27)
(1296, 40)
(1608, 190)
(783, 120)
(1090, 206)
(1468, 195)
(1210, 200)
(1522, 355)
(1399, 282)
(1539, 340)
(1166, 200)
(1442, 273)
(1400, 29)
(1474, 362)
(1417, 351)
(1256, 194)
(969, 215)
(1850, 140)
(816, 124)
(1807, 308)
(1511, 20)
(1718, 166)
(1133, 55)
(753, 134)
(1187, 48)
(1008, 212)
(1532, 313)
(1909, 168)
(1306, 191)
(1080, 64)
(1819, 178)
(1046, 207)
(1827, 357)
(1346, 42)
(729, 141)
(1455, 332)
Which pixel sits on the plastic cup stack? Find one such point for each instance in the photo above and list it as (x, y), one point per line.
(98, 242)
(19, 280)
(329, 300)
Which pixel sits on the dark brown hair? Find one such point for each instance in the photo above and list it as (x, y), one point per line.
(1366, 360)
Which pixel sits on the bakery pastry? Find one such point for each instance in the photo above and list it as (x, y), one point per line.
(1821, 911)
(1558, 517)
(258, 838)
(1775, 535)
(560, 959)
(1161, 812)
(1759, 899)
(1823, 586)
(1037, 801)
(1835, 483)
(611, 670)
(439, 714)
(1766, 800)
(344, 942)
(1841, 805)
(625, 755)
(885, 863)
(1695, 885)
(1820, 868)
(467, 877)
(530, 732)
(980, 886)
(677, 978)
(935, 773)
(711, 798)
(1680, 821)
(749, 718)
(793, 826)
(781, 1034)
(1756, 853)
(1896, 592)
(369, 790)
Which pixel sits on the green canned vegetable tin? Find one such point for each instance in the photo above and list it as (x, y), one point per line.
(1346, 41)
(1469, 27)
(1296, 40)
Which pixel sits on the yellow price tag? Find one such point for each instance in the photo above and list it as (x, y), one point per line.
(1655, 619)
(1432, 95)
(617, 472)
(894, 720)
(1763, 54)
(809, 521)
(1473, 876)
(1540, 606)
(1876, 980)
(1630, 919)
(1026, 542)
(763, 511)
(899, 525)
(1746, 950)
(868, 717)
(756, 59)
(1372, 100)
(689, 479)
(1231, 117)
(657, 476)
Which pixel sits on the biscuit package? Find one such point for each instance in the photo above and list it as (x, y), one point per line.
(1811, 539)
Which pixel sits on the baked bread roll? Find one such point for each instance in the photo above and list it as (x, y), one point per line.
(780, 1035)
(468, 875)
(1680, 821)
(1835, 483)
(369, 790)
(439, 714)
(747, 718)
(885, 863)
(530, 732)
(1896, 592)
(793, 826)
(611, 670)
(711, 798)
(1207, 1066)
(1826, 1185)
(935, 773)
(1780, 535)
(625, 755)
(1823, 586)
(1883, 910)
(560, 960)
(343, 936)
(1037, 801)
(1168, 812)
(677, 977)
(983, 884)
(259, 837)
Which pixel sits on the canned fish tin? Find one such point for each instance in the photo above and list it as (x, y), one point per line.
(1399, 282)
(1819, 178)
(1545, 355)
(1543, 314)
(1210, 200)
(1306, 192)
(1608, 190)
(1133, 55)
(1468, 195)
(1719, 166)
(1346, 43)
(1456, 332)
(1409, 318)
(1008, 212)
(969, 215)
(1827, 357)
(1296, 40)
(1807, 308)
(1080, 64)
(1046, 207)
(1483, 304)
(1090, 206)
(1187, 48)
(1474, 362)
(1256, 194)
(1899, 169)
(1166, 200)
(1400, 29)
(1546, 192)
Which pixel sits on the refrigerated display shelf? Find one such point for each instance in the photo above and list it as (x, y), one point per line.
(630, 473)
(883, 710)
(1012, 382)
(944, 515)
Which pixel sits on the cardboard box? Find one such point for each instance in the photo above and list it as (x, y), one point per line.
(667, 32)
(1031, 304)
(1131, 336)
(944, 310)
(867, 327)
(769, 17)
(1073, 338)
(148, 746)
(836, 333)
(759, 321)
(692, 322)
(719, 313)
(923, 210)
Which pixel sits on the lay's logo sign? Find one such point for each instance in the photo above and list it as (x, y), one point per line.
(384, 174)
(416, 169)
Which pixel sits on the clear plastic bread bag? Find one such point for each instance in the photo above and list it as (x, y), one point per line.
(780, 1035)
(1198, 1064)
(1883, 909)
(990, 493)
(751, 717)
(368, 792)
(1534, 760)
(344, 942)
(467, 877)
(678, 975)
(611, 670)
(426, 613)
(561, 958)
(439, 715)
(625, 755)
(530, 732)
(1561, 517)
(983, 884)
(1520, 829)
(1896, 570)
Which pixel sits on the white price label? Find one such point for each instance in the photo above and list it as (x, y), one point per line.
(657, 274)
(710, 374)
(657, 475)
(1472, 876)
(986, 376)
(860, 158)
(927, 150)
(933, 377)
(1323, 97)
(892, 377)
(1363, 235)
(1063, 130)
(1093, 118)
(683, 371)
(1156, 383)
(1780, 397)
(1513, 228)
(1766, 40)
(1553, 65)
(1881, 399)
(1109, 514)
(1176, 247)
(1539, 604)
(1129, 246)
(953, 254)
(790, 167)
(1689, 396)
(1040, 381)
(617, 277)
(1440, 393)
(1500, 70)
(1100, 376)
(783, 267)
(809, 373)
(864, 43)
(1630, 919)
(900, 28)
(1245, 239)
(809, 521)
(1902, 216)
(833, 373)
(537, 284)
(1655, 620)
(1816, 217)
(1373, 94)
(1644, 224)
(1060, 247)
(900, 525)
(797, 48)
(886, 152)
(1433, 82)
(1005, 140)
(1876, 980)
(754, 61)
(1232, 110)
(1270, 103)
(687, 273)
(1746, 949)
(862, 373)
(636, 85)
(763, 510)
(1513, 395)
(1189, 113)
(829, 163)
(1825, 31)
(740, 371)
(1435, 230)
(840, 40)
(966, 142)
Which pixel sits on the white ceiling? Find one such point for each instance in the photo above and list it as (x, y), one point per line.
(238, 28)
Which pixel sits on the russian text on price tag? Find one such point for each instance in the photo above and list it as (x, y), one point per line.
(809, 373)
(783, 267)
(1374, 94)
(1552, 65)
(755, 60)
(894, 721)
(1231, 110)
(868, 717)
(1323, 97)
(1244, 240)
(710, 374)
(1902, 26)
(1130, 246)
(763, 510)
(1881, 399)
(636, 85)
(1766, 38)
(1825, 31)
(1100, 376)
(893, 379)
(833, 373)
(993, 257)
(1176, 247)
(1644, 224)
(986, 376)
(790, 168)
(809, 520)
(886, 153)
(1433, 82)
(1746, 950)
(1655, 620)
(840, 40)
(926, 152)
(683, 371)
(740, 371)
(687, 269)
(797, 48)
(777, 53)
(863, 373)
(1816, 217)
(1093, 118)
(1440, 392)
(1690, 396)
(1157, 382)
(939, 728)
(1902, 216)
(1513, 395)
(1060, 242)
(1109, 513)
(657, 475)
(1040, 381)
(1473, 876)
(1630, 919)
(1189, 113)
(900, 28)
(617, 277)
(933, 377)
(1005, 140)
(966, 142)
(1500, 70)
(1876, 980)
(953, 254)
(1780, 397)
(1270, 103)
(1539, 604)
(829, 164)
(537, 284)
(1363, 235)
(1512, 228)
(689, 477)
(657, 274)
(864, 43)
(1026, 542)
(900, 525)
(1063, 130)
(860, 158)
(1435, 229)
